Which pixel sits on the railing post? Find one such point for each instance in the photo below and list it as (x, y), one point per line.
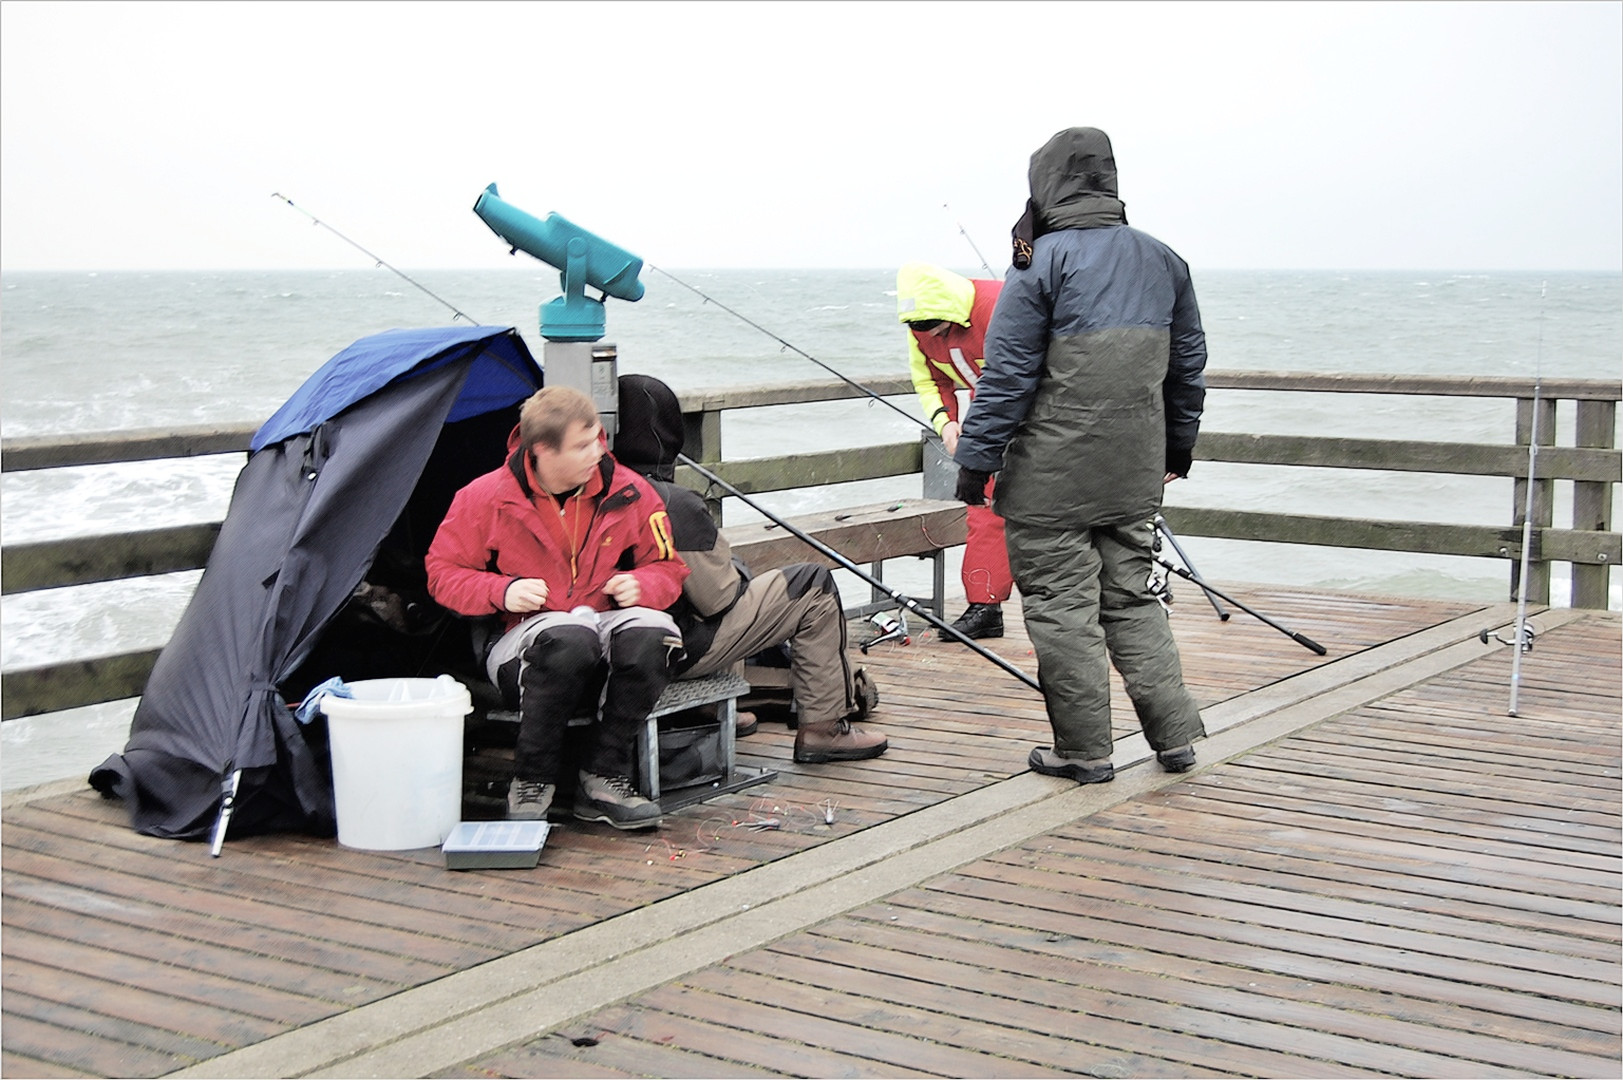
(1538, 572)
(1592, 503)
(701, 441)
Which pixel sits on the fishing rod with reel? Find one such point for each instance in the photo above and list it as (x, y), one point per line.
(1524, 629)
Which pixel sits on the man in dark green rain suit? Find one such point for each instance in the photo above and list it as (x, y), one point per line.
(1089, 404)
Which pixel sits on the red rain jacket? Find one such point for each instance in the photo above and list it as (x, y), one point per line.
(501, 527)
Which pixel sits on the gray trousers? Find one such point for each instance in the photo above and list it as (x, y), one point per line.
(1087, 605)
(798, 604)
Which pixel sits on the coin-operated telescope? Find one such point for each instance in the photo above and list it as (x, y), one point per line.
(569, 323)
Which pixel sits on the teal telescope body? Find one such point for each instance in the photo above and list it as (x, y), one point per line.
(581, 257)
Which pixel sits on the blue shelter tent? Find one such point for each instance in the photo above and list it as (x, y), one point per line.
(344, 485)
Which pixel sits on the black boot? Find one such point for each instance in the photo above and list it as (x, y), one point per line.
(980, 621)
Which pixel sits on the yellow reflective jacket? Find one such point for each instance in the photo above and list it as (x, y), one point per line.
(939, 365)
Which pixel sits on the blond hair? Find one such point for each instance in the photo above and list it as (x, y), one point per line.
(550, 412)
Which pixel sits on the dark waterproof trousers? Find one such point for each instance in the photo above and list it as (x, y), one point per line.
(1087, 603)
(557, 666)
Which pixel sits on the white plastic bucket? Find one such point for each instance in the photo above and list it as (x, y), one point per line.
(397, 761)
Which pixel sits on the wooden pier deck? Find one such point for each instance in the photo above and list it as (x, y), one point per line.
(1373, 871)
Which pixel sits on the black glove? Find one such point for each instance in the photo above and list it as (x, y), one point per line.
(971, 486)
(1179, 462)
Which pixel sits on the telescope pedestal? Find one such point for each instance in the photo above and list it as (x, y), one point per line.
(590, 367)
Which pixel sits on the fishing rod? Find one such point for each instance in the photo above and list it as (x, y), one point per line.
(1301, 639)
(801, 352)
(1211, 597)
(904, 602)
(1524, 636)
(965, 234)
(375, 259)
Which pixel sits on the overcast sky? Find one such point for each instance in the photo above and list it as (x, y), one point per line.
(1273, 135)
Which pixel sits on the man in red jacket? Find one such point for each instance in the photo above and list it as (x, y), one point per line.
(574, 552)
(946, 316)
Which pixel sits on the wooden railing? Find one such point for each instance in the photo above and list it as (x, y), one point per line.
(1592, 464)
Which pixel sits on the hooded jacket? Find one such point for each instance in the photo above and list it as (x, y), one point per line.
(1095, 355)
(940, 365)
(502, 527)
(650, 438)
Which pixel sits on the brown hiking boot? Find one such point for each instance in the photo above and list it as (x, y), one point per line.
(836, 740)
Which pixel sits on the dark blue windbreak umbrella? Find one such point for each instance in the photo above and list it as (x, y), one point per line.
(327, 479)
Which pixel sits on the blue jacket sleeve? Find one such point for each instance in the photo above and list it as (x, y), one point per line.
(1016, 345)
(1184, 390)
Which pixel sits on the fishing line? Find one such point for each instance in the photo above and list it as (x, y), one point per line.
(375, 259)
(1524, 637)
(965, 234)
(801, 352)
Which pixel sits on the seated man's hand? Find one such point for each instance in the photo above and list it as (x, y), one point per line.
(525, 595)
(972, 486)
(624, 589)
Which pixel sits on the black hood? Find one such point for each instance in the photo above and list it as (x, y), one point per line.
(1073, 186)
(651, 432)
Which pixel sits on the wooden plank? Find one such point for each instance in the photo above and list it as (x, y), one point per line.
(1223, 1035)
(1067, 960)
(67, 1019)
(89, 1053)
(292, 973)
(724, 1026)
(863, 535)
(1583, 980)
(45, 688)
(51, 564)
(186, 985)
(1409, 455)
(1422, 385)
(795, 985)
(137, 444)
(758, 476)
(154, 1008)
(379, 914)
(18, 1065)
(1131, 929)
(1427, 537)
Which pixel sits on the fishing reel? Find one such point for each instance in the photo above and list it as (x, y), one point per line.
(1527, 635)
(891, 628)
(1159, 583)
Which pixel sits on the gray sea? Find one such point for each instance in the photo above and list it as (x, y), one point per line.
(92, 352)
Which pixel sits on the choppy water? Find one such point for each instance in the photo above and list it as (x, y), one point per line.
(86, 352)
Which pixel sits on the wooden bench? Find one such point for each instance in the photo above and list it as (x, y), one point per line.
(917, 528)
